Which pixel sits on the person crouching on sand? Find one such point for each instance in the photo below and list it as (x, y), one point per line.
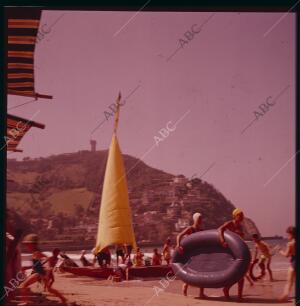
(196, 227)
(39, 272)
(265, 256)
(291, 253)
(234, 226)
(167, 251)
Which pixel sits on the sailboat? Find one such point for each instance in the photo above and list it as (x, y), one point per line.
(115, 221)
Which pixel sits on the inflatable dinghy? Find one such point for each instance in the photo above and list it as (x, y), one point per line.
(206, 263)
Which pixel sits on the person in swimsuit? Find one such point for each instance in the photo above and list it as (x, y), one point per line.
(265, 256)
(120, 253)
(138, 258)
(104, 257)
(128, 250)
(234, 226)
(167, 251)
(39, 272)
(156, 258)
(197, 218)
(52, 261)
(291, 253)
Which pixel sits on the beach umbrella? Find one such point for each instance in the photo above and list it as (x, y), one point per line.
(115, 221)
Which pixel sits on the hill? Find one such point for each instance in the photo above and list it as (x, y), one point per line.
(59, 196)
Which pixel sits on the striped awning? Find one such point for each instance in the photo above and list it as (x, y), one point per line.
(17, 127)
(22, 30)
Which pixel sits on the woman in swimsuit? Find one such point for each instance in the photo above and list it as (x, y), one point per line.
(197, 218)
(290, 252)
(39, 272)
(234, 226)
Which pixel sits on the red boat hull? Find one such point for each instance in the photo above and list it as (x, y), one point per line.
(103, 273)
(131, 273)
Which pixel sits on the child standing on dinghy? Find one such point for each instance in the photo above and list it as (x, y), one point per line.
(196, 227)
(234, 226)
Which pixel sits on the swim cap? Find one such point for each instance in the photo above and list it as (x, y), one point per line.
(31, 238)
(196, 216)
(237, 212)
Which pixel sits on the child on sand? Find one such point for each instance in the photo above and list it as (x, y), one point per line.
(291, 253)
(197, 218)
(52, 261)
(156, 258)
(138, 258)
(235, 226)
(40, 273)
(265, 256)
(167, 251)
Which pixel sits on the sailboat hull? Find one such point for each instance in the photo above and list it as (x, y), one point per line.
(131, 273)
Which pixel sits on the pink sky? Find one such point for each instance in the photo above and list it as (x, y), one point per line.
(212, 85)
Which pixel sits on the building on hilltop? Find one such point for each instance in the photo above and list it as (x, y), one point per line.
(93, 145)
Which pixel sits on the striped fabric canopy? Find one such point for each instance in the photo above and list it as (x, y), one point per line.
(22, 30)
(16, 129)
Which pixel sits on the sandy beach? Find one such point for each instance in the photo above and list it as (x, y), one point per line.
(85, 291)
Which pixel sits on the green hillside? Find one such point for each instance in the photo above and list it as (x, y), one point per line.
(60, 195)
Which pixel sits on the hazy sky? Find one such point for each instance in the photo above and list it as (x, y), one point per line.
(211, 87)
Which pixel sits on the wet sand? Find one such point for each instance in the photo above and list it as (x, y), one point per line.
(87, 291)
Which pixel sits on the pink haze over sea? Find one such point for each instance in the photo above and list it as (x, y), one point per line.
(211, 86)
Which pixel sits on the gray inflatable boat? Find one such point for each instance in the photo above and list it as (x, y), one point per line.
(206, 263)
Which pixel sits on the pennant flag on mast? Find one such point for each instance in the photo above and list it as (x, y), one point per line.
(117, 113)
(115, 223)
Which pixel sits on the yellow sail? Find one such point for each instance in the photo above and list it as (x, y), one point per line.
(115, 223)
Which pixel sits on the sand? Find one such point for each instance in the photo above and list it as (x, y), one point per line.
(85, 291)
